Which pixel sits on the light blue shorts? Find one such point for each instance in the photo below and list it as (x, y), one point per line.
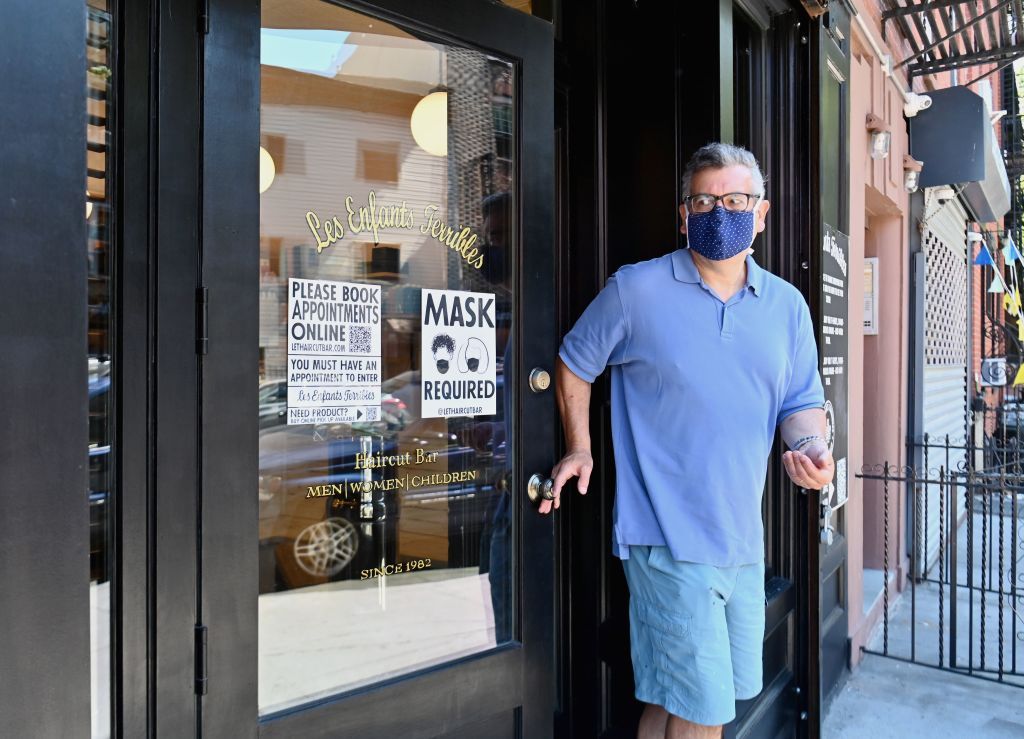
(696, 633)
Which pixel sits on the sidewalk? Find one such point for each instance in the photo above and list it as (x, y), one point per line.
(887, 698)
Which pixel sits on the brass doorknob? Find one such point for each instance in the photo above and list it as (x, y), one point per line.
(540, 488)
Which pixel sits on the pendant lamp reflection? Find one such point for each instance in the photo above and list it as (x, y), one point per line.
(429, 122)
(267, 170)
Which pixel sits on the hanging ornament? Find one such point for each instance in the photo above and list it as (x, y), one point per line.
(1019, 377)
(983, 257)
(996, 286)
(1020, 329)
(1014, 254)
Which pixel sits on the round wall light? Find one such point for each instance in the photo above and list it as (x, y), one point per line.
(429, 123)
(267, 170)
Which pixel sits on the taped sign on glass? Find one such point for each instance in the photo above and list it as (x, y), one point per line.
(458, 354)
(334, 368)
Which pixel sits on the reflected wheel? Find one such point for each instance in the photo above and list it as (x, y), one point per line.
(324, 548)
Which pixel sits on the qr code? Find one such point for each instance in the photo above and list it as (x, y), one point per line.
(360, 340)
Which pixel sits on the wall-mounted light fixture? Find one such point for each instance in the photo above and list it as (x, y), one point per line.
(881, 136)
(911, 173)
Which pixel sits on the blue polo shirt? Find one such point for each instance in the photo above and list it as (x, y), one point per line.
(698, 388)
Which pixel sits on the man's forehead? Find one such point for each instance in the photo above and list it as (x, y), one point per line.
(733, 176)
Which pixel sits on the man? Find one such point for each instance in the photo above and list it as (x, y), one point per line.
(709, 355)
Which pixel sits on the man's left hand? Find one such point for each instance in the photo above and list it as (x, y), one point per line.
(812, 467)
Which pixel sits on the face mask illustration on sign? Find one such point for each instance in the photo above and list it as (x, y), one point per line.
(443, 348)
(473, 356)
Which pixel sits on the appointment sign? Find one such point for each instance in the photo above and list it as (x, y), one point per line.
(334, 352)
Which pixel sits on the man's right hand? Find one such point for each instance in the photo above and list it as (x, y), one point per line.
(574, 464)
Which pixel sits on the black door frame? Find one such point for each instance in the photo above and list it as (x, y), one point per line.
(515, 678)
(595, 121)
(827, 579)
(155, 521)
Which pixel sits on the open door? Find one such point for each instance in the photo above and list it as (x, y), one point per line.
(376, 287)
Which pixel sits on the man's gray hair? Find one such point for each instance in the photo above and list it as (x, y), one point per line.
(717, 155)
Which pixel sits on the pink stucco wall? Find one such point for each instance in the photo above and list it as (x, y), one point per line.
(878, 364)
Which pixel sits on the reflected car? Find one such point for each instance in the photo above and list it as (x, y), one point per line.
(311, 534)
(273, 403)
(99, 472)
(1009, 419)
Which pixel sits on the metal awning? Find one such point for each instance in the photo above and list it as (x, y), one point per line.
(951, 34)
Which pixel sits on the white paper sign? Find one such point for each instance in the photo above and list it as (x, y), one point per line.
(334, 370)
(458, 376)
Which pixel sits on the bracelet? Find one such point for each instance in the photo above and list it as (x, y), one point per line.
(803, 440)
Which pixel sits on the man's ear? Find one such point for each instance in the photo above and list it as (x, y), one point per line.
(682, 216)
(762, 212)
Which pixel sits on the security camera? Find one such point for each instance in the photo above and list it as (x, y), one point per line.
(944, 193)
(915, 104)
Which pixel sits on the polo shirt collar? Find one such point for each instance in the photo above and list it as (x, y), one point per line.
(686, 271)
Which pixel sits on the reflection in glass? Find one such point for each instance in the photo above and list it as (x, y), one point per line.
(99, 61)
(372, 571)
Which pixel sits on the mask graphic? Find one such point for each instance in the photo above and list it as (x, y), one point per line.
(473, 356)
(720, 233)
(443, 349)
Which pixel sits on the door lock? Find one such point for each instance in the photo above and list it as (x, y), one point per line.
(540, 380)
(540, 488)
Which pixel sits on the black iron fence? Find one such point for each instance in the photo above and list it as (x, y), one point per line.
(963, 609)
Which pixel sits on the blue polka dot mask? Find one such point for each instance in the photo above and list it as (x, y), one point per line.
(720, 233)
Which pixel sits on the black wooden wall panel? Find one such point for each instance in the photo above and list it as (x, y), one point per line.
(44, 526)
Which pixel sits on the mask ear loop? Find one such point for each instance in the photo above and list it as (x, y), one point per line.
(753, 230)
(686, 220)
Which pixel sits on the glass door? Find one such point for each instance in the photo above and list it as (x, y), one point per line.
(377, 261)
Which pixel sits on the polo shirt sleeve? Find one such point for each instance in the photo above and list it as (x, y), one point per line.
(599, 337)
(805, 389)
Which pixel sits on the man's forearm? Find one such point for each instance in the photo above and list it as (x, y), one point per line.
(573, 395)
(803, 423)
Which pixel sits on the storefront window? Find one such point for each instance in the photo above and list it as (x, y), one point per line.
(386, 245)
(99, 36)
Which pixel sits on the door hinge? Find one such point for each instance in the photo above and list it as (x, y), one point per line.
(200, 636)
(202, 320)
(204, 16)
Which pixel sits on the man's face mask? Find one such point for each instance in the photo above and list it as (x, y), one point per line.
(720, 233)
(442, 366)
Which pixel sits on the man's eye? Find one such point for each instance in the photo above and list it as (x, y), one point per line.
(736, 200)
(702, 200)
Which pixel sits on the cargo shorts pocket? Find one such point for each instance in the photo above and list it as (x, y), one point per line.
(666, 630)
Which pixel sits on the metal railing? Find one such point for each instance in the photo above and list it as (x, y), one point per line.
(964, 556)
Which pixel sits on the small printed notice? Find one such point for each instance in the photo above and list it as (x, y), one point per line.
(334, 371)
(458, 347)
